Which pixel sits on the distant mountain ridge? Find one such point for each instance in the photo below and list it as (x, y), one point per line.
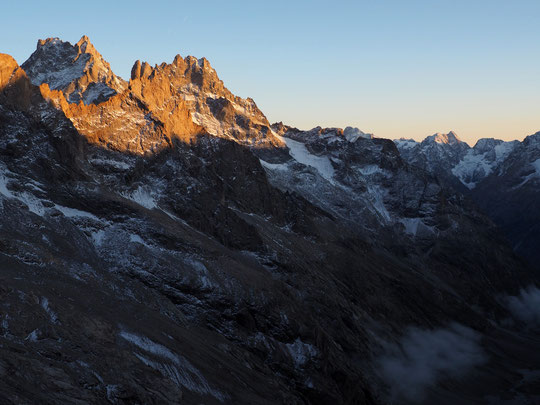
(502, 177)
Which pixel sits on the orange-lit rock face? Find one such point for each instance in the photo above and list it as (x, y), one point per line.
(193, 83)
(181, 100)
(125, 123)
(15, 87)
(7, 67)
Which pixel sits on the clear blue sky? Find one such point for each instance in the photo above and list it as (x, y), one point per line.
(394, 68)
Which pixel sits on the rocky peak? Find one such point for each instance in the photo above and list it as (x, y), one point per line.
(352, 134)
(85, 46)
(533, 140)
(79, 71)
(450, 138)
(186, 98)
(486, 144)
(211, 105)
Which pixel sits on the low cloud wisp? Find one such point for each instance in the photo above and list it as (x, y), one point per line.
(422, 357)
(526, 306)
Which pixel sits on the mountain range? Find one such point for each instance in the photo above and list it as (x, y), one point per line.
(503, 178)
(162, 242)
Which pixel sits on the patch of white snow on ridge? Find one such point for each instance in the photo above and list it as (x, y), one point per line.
(134, 238)
(274, 166)
(33, 203)
(478, 165)
(352, 134)
(97, 237)
(536, 173)
(3, 188)
(411, 225)
(503, 149)
(405, 143)
(536, 165)
(301, 352)
(142, 196)
(470, 165)
(299, 152)
(370, 169)
(176, 367)
(73, 212)
(92, 93)
(33, 336)
(376, 197)
(108, 162)
(47, 308)
(416, 227)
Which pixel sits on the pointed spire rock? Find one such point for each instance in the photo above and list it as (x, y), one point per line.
(146, 69)
(85, 46)
(136, 70)
(178, 60)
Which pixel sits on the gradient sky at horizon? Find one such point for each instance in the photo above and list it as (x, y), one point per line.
(392, 68)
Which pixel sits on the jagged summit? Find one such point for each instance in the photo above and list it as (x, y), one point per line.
(533, 140)
(195, 83)
(450, 138)
(79, 71)
(184, 99)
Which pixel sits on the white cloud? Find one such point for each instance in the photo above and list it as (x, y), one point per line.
(422, 357)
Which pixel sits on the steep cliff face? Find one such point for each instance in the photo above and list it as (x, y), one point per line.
(173, 247)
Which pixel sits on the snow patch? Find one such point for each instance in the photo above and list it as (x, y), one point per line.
(370, 169)
(73, 212)
(299, 152)
(376, 197)
(108, 162)
(142, 196)
(97, 237)
(301, 352)
(531, 176)
(411, 225)
(536, 165)
(352, 134)
(48, 310)
(177, 367)
(405, 144)
(475, 165)
(274, 166)
(33, 336)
